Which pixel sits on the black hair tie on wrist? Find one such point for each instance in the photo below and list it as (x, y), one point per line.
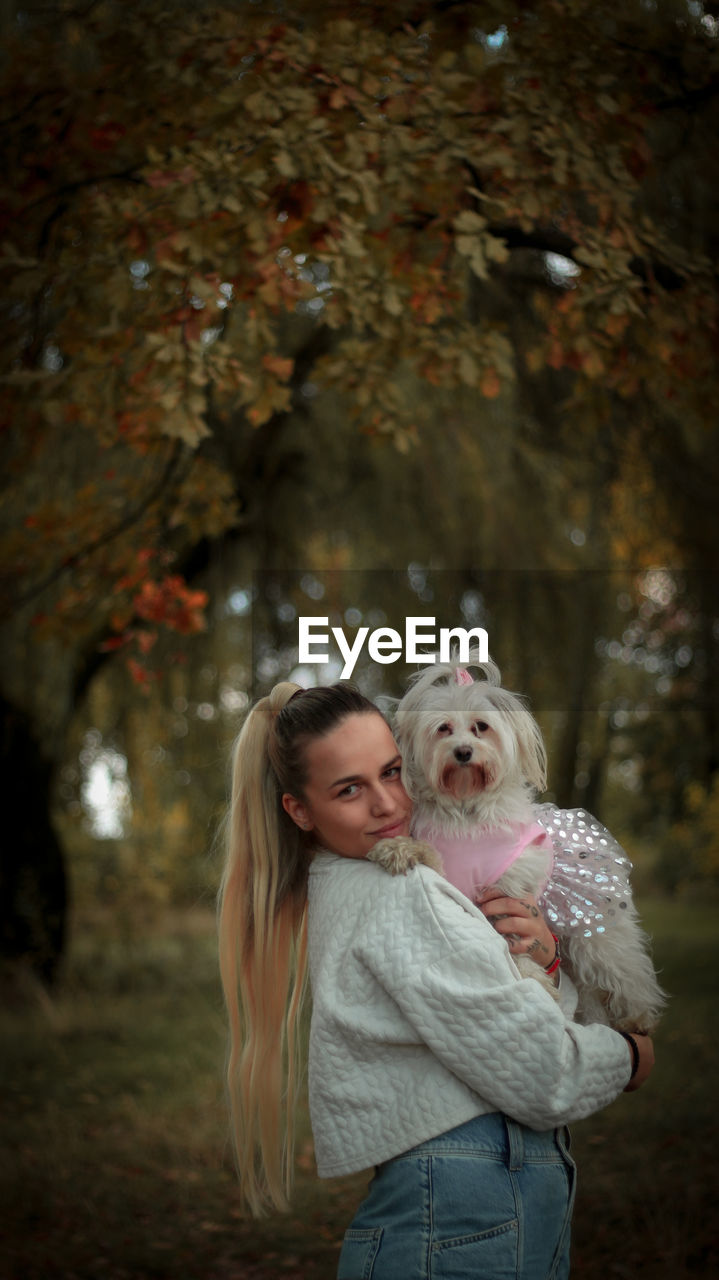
(635, 1052)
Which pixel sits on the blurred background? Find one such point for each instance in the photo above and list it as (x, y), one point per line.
(357, 313)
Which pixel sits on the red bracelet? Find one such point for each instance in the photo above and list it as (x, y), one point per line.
(552, 968)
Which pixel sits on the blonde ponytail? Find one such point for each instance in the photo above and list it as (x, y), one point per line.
(263, 928)
(262, 941)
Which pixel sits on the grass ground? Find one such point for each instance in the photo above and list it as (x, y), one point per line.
(114, 1161)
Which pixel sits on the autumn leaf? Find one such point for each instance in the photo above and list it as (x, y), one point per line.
(280, 366)
(490, 385)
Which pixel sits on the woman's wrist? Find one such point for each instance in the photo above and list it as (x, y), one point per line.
(629, 1036)
(634, 1047)
(557, 960)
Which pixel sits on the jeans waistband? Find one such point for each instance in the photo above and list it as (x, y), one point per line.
(498, 1136)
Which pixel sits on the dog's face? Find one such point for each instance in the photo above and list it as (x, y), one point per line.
(464, 742)
(464, 745)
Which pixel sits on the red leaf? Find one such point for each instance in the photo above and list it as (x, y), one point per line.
(282, 368)
(490, 385)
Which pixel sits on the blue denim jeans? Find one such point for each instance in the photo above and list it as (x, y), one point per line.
(490, 1200)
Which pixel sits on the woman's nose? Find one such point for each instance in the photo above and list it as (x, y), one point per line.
(383, 800)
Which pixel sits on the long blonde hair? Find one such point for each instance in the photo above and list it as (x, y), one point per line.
(263, 929)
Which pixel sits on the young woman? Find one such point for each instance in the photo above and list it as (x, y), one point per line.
(429, 1058)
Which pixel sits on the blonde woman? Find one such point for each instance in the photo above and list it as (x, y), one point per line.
(430, 1059)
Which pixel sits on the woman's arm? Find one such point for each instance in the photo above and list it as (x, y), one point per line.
(506, 1038)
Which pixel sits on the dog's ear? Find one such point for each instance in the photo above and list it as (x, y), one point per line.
(408, 733)
(531, 751)
(411, 772)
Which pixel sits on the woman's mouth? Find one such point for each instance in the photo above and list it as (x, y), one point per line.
(396, 828)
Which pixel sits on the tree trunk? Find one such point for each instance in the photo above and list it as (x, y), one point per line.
(579, 683)
(33, 893)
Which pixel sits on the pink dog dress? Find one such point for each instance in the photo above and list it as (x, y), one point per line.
(589, 878)
(473, 863)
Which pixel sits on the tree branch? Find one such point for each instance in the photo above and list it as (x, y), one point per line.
(104, 539)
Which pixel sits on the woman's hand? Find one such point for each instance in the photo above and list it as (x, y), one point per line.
(520, 921)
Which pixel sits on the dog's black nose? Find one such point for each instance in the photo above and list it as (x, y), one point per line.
(463, 754)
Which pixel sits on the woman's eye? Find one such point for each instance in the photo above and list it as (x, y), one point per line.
(481, 726)
(393, 771)
(349, 790)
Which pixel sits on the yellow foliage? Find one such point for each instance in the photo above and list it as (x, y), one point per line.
(695, 840)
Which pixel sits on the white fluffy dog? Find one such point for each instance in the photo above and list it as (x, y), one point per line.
(473, 762)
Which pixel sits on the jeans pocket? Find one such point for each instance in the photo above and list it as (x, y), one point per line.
(359, 1250)
(488, 1253)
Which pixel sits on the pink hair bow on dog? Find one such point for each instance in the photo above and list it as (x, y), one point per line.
(462, 676)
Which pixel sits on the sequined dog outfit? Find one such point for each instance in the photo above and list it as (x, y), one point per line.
(589, 883)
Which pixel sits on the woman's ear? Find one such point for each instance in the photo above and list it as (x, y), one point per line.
(297, 810)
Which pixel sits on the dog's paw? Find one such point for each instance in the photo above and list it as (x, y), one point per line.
(626, 1014)
(399, 854)
(644, 1024)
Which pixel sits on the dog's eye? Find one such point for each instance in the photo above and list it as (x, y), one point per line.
(481, 726)
(445, 728)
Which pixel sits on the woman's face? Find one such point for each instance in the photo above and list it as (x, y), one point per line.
(353, 795)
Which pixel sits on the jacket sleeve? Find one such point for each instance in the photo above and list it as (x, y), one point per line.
(567, 994)
(504, 1036)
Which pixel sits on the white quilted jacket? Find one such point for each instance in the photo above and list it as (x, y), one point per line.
(420, 1021)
